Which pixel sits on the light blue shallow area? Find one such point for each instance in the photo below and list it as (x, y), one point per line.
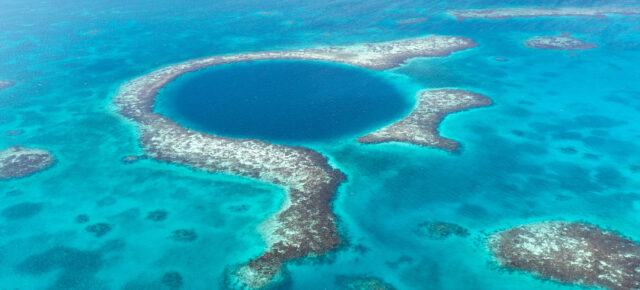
(69, 57)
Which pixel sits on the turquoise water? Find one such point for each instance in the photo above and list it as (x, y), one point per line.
(283, 101)
(68, 58)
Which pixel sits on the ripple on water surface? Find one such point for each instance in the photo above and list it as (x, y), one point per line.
(283, 100)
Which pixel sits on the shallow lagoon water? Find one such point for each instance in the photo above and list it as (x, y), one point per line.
(512, 168)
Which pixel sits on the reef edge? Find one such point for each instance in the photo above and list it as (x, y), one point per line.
(420, 127)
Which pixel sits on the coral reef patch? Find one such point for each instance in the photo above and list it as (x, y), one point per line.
(82, 218)
(570, 252)
(21, 210)
(172, 279)
(504, 13)
(99, 229)
(568, 150)
(5, 84)
(560, 42)
(157, 215)
(17, 161)
(14, 132)
(362, 283)
(438, 230)
(184, 235)
(74, 268)
(133, 158)
(420, 127)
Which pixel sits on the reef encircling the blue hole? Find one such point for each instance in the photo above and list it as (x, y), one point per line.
(305, 225)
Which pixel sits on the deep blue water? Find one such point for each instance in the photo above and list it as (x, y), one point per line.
(283, 100)
(560, 142)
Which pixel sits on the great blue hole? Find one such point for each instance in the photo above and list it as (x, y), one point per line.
(283, 101)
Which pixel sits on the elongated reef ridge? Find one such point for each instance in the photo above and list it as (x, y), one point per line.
(521, 12)
(560, 42)
(420, 127)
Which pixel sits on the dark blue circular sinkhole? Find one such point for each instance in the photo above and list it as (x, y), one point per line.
(283, 100)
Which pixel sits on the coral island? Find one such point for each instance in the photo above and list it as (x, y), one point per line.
(17, 161)
(570, 252)
(560, 42)
(420, 127)
(305, 225)
(504, 13)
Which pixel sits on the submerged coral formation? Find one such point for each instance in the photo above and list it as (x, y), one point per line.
(5, 84)
(20, 161)
(570, 252)
(440, 230)
(133, 158)
(157, 215)
(172, 279)
(305, 225)
(184, 235)
(505, 13)
(98, 229)
(362, 283)
(68, 268)
(21, 210)
(420, 127)
(560, 42)
(568, 150)
(82, 218)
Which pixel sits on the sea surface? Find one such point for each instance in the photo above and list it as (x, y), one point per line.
(562, 140)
